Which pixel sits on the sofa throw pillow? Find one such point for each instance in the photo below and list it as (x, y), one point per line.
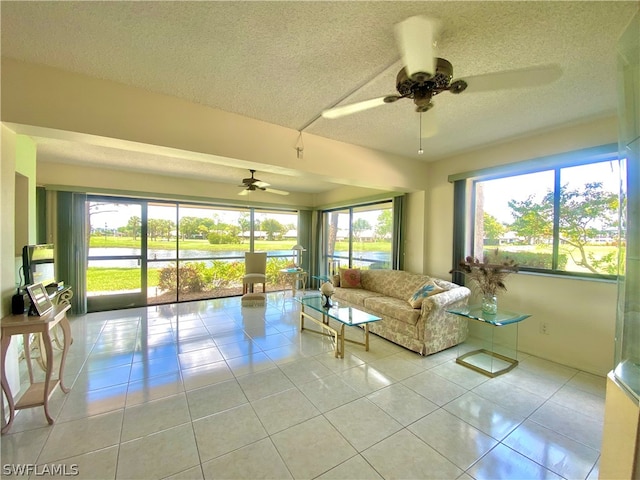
(426, 290)
(335, 279)
(350, 278)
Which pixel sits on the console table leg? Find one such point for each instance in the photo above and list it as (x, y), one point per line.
(47, 380)
(66, 330)
(6, 340)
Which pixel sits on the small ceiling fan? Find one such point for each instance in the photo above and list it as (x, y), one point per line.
(425, 75)
(251, 184)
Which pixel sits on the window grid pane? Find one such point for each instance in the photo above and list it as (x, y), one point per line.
(557, 220)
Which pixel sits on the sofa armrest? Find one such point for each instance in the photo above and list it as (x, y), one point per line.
(448, 299)
(439, 329)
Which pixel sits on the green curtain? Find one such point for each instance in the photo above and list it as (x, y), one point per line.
(41, 215)
(72, 246)
(320, 265)
(397, 245)
(459, 219)
(305, 238)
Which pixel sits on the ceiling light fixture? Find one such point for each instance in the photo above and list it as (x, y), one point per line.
(420, 150)
(300, 147)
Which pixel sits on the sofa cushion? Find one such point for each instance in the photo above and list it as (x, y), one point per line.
(426, 290)
(392, 307)
(392, 283)
(354, 296)
(350, 278)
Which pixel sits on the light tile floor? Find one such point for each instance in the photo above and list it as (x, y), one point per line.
(212, 390)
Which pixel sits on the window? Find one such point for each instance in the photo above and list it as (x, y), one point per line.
(359, 236)
(561, 218)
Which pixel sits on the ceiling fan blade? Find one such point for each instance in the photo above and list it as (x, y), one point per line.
(343, 110)
(244, 192)
(277, 192)
(429, 124)
(415, 38)
(521, 78)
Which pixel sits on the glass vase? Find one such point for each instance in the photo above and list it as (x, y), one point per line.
(489, 304)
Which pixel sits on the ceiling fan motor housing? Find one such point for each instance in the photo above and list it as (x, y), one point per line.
(422, 92)
(436, 83)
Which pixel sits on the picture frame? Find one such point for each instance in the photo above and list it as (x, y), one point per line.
(40, 301)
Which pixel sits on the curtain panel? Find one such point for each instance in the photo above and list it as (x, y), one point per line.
(71, 246)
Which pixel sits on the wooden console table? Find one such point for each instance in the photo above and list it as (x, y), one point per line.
(38, 393)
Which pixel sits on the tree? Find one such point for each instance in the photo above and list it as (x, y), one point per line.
(580, 214)
(384, 227)
(244, 223)
(533, 221)
(493, 229)
(133, 227)
(273, 228)
(583, 213)
(189, 227)
(159, 228)
(359, 226)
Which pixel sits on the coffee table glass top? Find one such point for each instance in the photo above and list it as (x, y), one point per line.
(503, 317)
(342, 313)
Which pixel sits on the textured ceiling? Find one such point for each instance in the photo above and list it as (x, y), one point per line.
(284, 62)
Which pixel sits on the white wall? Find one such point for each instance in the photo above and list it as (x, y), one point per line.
(48, 98)
(580, 313)
(8, 156)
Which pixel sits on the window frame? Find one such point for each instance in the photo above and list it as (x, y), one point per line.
(350, 210)
(465, 187)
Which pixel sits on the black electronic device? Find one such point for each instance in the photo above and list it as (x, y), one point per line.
(38, 264)
(19, 303)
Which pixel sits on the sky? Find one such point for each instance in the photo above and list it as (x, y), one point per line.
(498, 192)
(117, 215)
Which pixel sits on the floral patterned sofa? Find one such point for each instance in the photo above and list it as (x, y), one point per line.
(393, 296)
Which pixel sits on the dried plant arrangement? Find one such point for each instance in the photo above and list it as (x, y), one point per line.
(488, 275)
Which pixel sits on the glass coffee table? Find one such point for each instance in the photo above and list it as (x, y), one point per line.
(498, 338)
(342, 314)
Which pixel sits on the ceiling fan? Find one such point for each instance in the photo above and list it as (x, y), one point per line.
(252, 184)
(425, 75)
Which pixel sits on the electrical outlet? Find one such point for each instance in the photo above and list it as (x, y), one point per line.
(544, 328)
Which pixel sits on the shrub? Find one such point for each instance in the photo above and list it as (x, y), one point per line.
(274, 265)
(533, 259)
(191, 278)
(222, 274)
(216, 238)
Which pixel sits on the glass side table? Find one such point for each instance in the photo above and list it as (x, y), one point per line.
(497, 337)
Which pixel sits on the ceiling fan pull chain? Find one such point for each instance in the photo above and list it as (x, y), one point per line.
(420, 151)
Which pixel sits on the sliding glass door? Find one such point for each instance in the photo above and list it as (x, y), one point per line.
(116, 273)
(144, 252)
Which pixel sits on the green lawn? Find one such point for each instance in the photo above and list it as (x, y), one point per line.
(112, 279)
